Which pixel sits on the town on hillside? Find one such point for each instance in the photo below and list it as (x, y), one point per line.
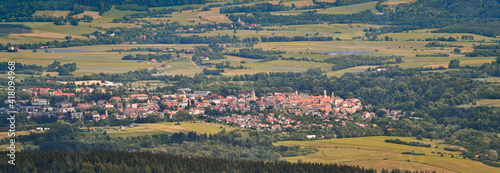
(83, 102)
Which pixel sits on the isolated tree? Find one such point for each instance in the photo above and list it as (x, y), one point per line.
(454, 63)
(380, 113)
(73, 22)
(457, 50)
(492, 154)
(399, 60)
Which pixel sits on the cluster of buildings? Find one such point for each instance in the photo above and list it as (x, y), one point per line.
(272, 121)
(231, 26)
(133, 105)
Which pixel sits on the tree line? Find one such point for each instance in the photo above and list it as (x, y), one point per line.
(148, 57)
(347, 61)
(256, 53)
(122, 161)
(485, 50)
(294, 38)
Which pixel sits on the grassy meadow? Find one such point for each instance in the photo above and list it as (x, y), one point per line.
(169, 128)
(483, 102)
(349, 9)
(51, 13)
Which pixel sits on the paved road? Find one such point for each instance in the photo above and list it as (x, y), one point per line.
(192, 62)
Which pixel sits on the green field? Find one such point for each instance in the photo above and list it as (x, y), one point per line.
(349, 9)
(342, 31)
(110, 62)
(483, 102)
(101, 62)
(51, 13)
(373, 152)
(109, 15)
(426, 33)
(169, 128)
(87, 62)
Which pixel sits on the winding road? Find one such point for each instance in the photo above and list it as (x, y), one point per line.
(192, 62)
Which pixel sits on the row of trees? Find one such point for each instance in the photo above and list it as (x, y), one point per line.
(256, 53)
(64, 69)
(23, 68)
(309, 17)
(489, 29)
(295, 38)
(259, 7)
(485, 50)
(148, 57)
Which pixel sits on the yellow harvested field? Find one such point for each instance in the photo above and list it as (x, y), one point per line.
(296, 3)
(93, 14)
(18, 133)
(437, 65)
(214, 16)
(373, 152)
(379, 165)
(396, 2)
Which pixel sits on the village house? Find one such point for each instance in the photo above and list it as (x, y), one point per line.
(139, 96)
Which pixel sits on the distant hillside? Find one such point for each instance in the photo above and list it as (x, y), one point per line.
(490, 29)
(440, 13)
(11, 9)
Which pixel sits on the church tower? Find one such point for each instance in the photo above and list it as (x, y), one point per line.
(331, 99)
(253, 94)
(324, 94)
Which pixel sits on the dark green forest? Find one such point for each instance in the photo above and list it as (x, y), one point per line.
(106, 161)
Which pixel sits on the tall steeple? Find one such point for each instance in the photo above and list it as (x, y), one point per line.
(324, 94)
(331, 98)
(253, 94)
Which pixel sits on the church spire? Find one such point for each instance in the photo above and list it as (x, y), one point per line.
(253, 94)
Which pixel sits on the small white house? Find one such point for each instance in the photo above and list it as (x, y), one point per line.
(311, 136)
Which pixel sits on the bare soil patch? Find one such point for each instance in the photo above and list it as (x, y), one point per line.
(46, 34)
